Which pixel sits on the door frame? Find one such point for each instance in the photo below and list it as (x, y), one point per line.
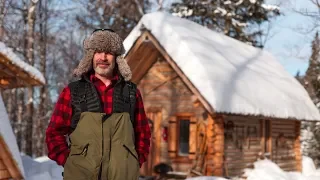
(155, 116)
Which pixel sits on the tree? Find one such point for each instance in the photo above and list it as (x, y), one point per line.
(30, 57)
(239, 19)
(310, 130)
(121, 15)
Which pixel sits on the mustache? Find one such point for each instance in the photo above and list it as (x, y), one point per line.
(102, 62)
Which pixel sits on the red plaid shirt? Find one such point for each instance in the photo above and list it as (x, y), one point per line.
(59, 125)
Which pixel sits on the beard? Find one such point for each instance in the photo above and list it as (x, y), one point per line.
(104, 71)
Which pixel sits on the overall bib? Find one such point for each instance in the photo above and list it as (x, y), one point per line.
(102, 148)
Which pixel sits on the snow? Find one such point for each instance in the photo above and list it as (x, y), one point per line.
(267, 170)
(227, 2)
(34, 73)
(184, 11)
(219, 9)
(206, 178)
(7, 134)
(239, 2)
(270, 7)
(253, 1)
(237, 23)
(232, 76)
(41, 168)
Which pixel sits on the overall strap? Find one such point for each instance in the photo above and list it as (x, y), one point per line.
(132, 96)
(124, 98)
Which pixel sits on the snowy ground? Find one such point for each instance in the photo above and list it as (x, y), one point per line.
(45, 169)
(267, 170)
(41, 168)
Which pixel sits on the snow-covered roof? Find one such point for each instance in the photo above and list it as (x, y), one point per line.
(32, 71)
(7, 134)
(232, 76)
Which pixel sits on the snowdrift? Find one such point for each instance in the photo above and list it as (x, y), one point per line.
(267, 170)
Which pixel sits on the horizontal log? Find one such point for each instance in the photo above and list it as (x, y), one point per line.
(218, 172)
(283, 122)
(242, 159)
(232, 148)
(4, 174)
(237, 155)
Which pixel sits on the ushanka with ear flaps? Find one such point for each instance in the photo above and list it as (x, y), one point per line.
(103, 41)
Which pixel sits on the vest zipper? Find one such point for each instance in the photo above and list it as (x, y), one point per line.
(97, 95)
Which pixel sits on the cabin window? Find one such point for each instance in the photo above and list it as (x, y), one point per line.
(183, 136)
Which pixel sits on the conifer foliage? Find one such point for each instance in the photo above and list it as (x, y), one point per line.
(240, 19)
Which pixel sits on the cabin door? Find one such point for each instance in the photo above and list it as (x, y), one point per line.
(155, 118)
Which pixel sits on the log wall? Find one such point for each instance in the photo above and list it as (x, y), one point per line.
(162, 88)
(243, 143)
(247, 137)
(285, 139)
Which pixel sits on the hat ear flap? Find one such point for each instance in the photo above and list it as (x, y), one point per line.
(85, 64)
(124, 68)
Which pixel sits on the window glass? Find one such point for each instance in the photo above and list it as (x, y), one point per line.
(184, 137)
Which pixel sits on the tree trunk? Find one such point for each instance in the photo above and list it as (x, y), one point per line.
(20, 127)
(30, 57)
(42, 119)
(3, 9)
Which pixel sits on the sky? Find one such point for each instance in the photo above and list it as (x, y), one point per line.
(289, 44)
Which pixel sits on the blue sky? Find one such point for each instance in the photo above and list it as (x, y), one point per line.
(290, 45)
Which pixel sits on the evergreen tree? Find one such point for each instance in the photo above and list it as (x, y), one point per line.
(240, 19)
(311, 130)
(311, 78)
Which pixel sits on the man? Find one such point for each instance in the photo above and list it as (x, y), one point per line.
(103, 115)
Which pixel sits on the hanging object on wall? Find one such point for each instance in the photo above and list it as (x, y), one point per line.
(165, 134)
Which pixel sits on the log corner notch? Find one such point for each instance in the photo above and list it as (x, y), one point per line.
(215, 143)
(297, 146)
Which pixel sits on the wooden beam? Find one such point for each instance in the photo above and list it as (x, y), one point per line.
(137, 59)
(18, 72)
(148, 61)
(2, 165)
(8, 160)
(297, 146)
(134, 48)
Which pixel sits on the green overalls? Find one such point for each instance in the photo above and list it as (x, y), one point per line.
(102, 148)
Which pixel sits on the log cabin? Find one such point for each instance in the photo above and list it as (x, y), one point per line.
(14, 73)
(215, 104)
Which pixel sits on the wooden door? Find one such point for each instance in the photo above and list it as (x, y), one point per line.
(155, 118)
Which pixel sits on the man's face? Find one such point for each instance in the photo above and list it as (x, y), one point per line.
(103, 63)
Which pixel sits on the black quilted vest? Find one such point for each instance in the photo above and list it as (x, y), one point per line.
(85, 98)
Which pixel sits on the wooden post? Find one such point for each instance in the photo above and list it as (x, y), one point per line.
(215, 133)
(297, 148)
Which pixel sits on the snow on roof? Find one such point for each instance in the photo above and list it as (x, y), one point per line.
(7, 134)
(232, 76)
(34, 73)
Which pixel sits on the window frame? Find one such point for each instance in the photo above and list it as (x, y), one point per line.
(181, 117)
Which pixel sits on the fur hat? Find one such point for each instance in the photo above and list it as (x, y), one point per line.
(103, 41)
